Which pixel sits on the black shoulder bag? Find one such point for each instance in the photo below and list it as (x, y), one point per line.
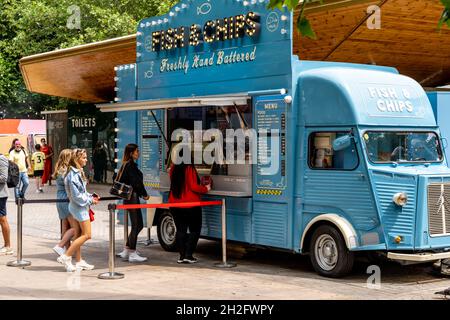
(120, 189)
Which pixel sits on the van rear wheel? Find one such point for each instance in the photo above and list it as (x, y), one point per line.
(329, 254)
(167, 232)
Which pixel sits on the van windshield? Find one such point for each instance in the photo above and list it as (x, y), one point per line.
(390, 146)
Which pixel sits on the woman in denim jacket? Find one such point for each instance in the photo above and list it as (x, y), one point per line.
(68, 223)
(80, 200)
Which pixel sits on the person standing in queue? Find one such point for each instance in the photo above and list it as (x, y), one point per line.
(79, 202)
(4, 225)
(68, 223)
(131, 175)
(185, 187)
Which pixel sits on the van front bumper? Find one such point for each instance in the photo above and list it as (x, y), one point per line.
(418, 257)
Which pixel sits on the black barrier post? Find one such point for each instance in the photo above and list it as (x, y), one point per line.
(224, 263)
(125, 227)
(111, 275)
(19, 262)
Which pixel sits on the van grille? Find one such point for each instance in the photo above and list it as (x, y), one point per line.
(439, 209)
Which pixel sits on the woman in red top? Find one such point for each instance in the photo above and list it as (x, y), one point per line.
(185, 187)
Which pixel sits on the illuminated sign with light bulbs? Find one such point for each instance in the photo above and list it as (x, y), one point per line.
(213, 30)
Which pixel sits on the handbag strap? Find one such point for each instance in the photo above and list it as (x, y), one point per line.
(122, 168)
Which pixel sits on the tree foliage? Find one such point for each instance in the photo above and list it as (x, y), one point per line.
(34, 26)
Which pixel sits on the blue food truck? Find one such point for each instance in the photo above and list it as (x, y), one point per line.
(359, 167)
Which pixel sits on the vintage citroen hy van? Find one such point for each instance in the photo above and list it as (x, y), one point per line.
(361, 163)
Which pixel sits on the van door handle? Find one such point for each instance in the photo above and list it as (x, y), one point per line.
(362, 176)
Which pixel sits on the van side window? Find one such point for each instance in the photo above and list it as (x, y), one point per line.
(322, 156)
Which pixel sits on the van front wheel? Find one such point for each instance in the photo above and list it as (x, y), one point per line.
(329, 254)
(167, 232)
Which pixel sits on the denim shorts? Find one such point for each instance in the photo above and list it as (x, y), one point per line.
(63, 210)
(3, 206)
(81, 216)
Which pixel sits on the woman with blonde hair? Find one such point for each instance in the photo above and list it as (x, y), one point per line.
(79, 202)
(67, 221)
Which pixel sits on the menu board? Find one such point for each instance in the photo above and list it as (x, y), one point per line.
(270, 116)
(151, 147)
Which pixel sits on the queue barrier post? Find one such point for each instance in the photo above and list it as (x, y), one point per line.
(125, 227)
(224, 263)
(19, 262)
(111, 274)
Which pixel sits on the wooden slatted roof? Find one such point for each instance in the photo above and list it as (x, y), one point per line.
(408, 40)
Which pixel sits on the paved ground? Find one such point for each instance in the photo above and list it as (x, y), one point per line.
(260, 274)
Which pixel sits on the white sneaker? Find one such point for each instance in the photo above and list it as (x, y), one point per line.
(38, 191)
(135, 257)
(124, 254)
(67, 262)
(6, 251)
(83, 265)
(59, 251)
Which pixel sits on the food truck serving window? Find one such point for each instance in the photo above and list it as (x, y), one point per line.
(390, 146)
(322, 156)
(219, 118)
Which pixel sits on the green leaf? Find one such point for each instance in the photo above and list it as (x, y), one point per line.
(275, 4)
(305, 28)
(291, 4)
(445, 18)
(446, 3)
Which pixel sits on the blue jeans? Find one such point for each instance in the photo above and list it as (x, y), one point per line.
(22, 186)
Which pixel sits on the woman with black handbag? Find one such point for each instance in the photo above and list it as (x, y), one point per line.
(129, 174)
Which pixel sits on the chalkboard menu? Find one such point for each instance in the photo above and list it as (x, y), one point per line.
(270, 116)
(151, 146)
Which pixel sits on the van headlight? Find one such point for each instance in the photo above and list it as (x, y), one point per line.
(400, 199)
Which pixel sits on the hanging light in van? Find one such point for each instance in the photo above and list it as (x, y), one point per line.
(400, 199)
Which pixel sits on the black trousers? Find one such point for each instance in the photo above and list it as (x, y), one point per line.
(137, 223)
(187, 218)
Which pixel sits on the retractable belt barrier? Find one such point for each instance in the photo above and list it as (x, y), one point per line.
(112, 207)
(111, 274)
(20, 203)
